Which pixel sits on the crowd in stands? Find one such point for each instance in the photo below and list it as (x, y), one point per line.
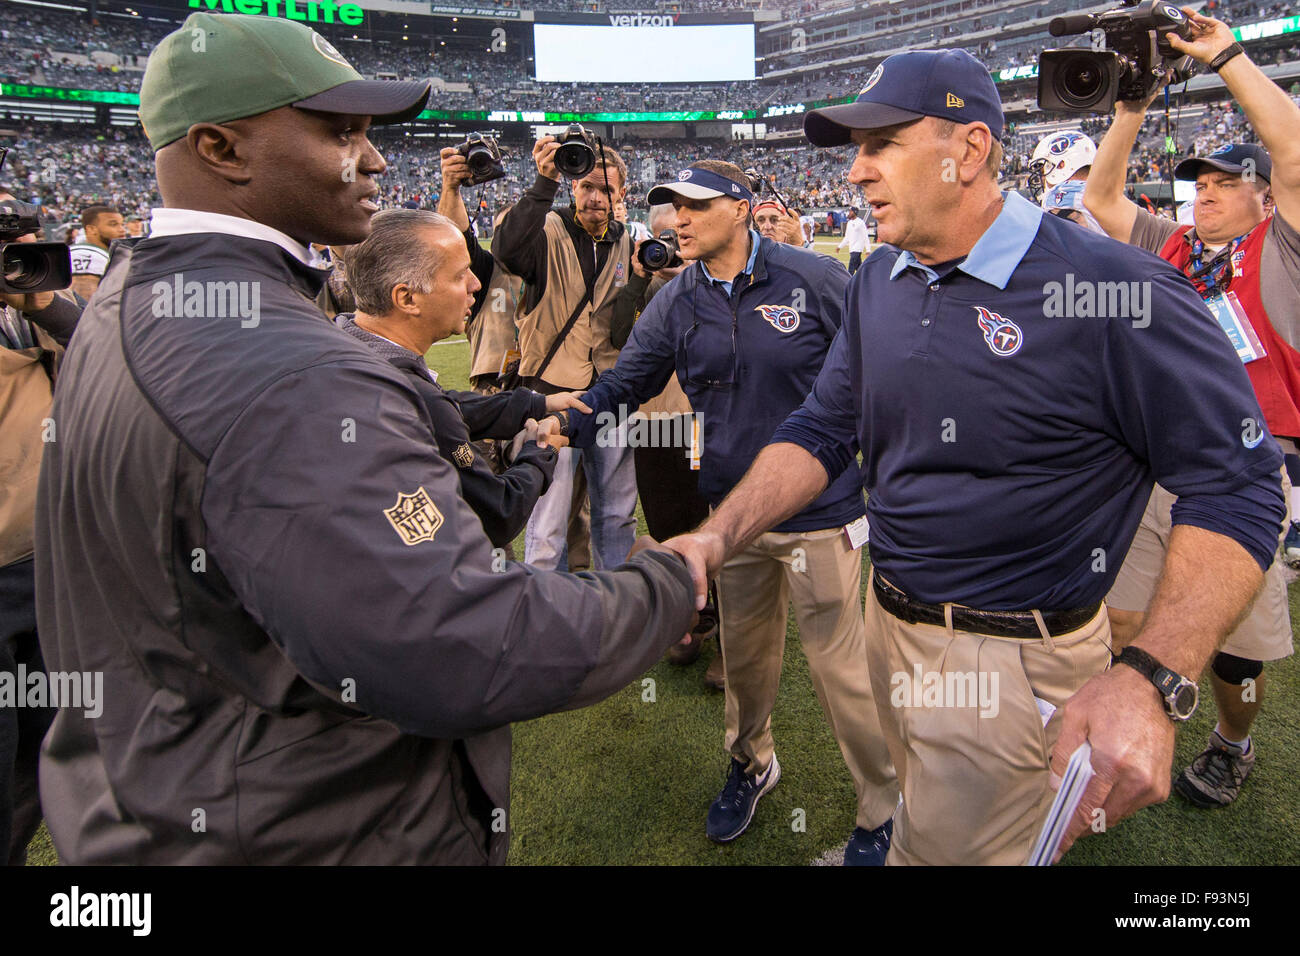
(55, 49)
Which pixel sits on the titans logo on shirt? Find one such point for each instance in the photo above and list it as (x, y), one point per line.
(782, 317)
(1002, 335)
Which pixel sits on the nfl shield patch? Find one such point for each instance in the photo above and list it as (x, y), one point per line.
(414, 517)
(464, 455)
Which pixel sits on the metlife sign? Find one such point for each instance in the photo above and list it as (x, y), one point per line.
(307, 11)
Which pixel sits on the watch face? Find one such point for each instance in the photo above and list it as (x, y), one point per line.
(1185, 700)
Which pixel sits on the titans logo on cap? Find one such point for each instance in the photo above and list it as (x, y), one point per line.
(873, 79)
(684, 175)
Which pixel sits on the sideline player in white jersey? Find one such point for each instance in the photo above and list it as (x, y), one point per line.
(102, 224)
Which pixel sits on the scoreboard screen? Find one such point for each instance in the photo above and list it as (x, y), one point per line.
(669, 53)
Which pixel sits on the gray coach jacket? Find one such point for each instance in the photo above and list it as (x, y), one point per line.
(307, 653)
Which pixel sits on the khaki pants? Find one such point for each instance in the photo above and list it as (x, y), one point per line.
(973, 758)
(822, 574)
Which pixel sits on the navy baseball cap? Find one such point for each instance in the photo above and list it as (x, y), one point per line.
(1232, 158)
(949, 84)
(695, 183)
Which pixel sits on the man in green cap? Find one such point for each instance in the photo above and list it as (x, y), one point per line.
(309, 652)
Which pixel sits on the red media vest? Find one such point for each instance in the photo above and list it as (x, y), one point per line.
(1276, 376)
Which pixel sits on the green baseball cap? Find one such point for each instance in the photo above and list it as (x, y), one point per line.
(222, 67)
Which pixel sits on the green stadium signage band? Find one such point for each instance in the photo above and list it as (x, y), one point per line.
(308, 11)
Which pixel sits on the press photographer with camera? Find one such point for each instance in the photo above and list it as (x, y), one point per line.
(574, 262)
(1242, 254)
(745, 330)
(35, 327)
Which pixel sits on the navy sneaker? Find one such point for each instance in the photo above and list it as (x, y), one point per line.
(731, 812)
(869, 847)
(1291, 546)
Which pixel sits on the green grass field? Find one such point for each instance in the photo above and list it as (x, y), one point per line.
(629, 781)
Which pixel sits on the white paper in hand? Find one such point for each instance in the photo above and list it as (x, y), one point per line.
(1077, 774)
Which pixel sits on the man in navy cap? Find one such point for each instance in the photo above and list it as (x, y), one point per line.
(745, 329)
(1243, 256)
(982, 402)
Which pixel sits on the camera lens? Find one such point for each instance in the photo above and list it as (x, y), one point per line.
(25, 269)
(655, 254)
(1081, 81)
(479, 160)
(575, 160)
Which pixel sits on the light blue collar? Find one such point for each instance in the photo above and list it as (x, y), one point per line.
(998, 252)
(754, 239)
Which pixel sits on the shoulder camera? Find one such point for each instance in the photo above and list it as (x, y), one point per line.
(1129, 56)
(29, 266)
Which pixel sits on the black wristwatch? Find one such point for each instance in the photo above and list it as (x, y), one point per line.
(1179, 694)
(563, 418)
(1225, 55)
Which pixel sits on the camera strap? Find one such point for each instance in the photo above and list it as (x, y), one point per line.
(559, 339)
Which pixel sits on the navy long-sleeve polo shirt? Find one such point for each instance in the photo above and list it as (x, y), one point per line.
(746, 357)
(1014, 412)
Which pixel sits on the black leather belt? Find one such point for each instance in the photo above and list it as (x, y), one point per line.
(996, 623)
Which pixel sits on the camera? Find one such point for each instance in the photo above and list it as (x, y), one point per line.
(661, 253)
(483, 154)
(29, 266)
(577, 153)
(1128, 65)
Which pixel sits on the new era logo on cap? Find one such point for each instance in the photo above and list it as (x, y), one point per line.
(955, 101)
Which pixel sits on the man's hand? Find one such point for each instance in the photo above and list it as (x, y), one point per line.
(530, 432)
(704, 552)
(1120, 714)
(548, 433)
(562, 400)
(1210, 37)
(455, 168)
(791, 230)
(28, 302)
(544, 156)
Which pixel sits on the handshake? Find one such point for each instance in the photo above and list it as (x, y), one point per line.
(549, 432)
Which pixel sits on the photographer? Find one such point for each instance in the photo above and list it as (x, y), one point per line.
(34, 329)
(574, 263)
(1243, 256)
(745, 329)
(777, 224)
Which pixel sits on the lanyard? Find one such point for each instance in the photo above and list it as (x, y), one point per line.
(1206, 276)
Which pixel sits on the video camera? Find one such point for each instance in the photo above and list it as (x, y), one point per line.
(577, 153)
(29, 266)
(1129, 57)
(483, 154)
(661, 253)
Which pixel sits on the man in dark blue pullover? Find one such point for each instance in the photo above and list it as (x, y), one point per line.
(746, 330)
(1013, 408)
